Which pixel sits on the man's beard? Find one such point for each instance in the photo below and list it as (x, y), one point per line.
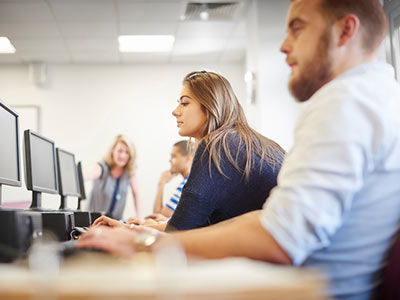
(316, 72)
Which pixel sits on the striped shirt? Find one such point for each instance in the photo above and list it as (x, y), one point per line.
(173, 201)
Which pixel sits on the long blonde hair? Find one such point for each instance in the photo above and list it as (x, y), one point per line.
(225, 116)
(130, 165)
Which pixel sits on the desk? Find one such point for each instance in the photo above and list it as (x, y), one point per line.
(104, 277)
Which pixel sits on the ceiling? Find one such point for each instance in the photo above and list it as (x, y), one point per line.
(86, 31)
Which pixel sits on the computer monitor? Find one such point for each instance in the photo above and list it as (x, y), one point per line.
(82, 190)
(93, 214)
(69, 185)
(10, 172)
(67, 175)
(40, 166)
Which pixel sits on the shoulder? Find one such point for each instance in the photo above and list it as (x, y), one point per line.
(105, 170)
(370, 86)
(131, 178)
(230, 140)
(200, 159)
(103, 164)
(350, 109)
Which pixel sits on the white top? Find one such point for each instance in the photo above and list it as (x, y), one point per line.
(176, 196)
(337, 203)
(170, 188)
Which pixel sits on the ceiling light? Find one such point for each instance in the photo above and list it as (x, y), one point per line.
(145, 43)
(6, 46)
(248, 76)
(204, 13)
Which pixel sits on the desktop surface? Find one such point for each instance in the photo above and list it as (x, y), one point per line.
(98, 276)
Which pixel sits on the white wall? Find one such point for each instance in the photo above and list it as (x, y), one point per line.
(84, 106)
(275, 111)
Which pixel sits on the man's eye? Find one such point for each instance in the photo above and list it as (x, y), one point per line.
(296, 30)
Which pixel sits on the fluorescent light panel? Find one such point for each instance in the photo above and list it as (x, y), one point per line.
(145, 43)
(5, 45)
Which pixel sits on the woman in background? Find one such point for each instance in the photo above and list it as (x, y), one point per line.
(112, 177)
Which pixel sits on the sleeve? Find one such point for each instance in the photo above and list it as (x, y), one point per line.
(200, 195)
(104, 168)
(334, 147)
(174, 199)
(91, 203)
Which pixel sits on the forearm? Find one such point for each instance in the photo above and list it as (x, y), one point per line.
(136, 196)
(92, 174)
(244, 236)
(166, 211)
(159, 226)
(158, 201)
(137, 203)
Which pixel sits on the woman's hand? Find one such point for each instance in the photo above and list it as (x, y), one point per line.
(106, 221)
(136, 221)
(165, 177)
(117, 240)
(157, 217)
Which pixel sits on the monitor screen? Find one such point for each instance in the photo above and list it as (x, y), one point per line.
(40, 163)
(9, 149)
(67, 173)
(81, 182)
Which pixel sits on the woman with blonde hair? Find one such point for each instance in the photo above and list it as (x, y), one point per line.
(112, 176)
(234, 167)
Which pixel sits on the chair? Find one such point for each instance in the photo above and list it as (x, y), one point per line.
(390, 288)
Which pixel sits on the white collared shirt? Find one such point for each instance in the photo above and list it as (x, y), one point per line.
(337, 203)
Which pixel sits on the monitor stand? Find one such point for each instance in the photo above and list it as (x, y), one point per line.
(79, 202)
(63, 202)
(36, 200)
(82, 218)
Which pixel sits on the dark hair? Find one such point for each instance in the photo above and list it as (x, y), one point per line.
(373, 19)
(184, 148)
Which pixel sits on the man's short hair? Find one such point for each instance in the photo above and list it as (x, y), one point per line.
(373, 19)
(184, 147)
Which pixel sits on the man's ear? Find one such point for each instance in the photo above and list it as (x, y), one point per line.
(189, 158)
(348, 27)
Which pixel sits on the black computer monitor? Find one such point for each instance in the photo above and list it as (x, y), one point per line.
(82, 190)
(10, 172)
(67, 175)
(69, 185)
(93, 214)
(40, 166)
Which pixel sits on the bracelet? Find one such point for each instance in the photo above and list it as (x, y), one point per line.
(143, 241)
